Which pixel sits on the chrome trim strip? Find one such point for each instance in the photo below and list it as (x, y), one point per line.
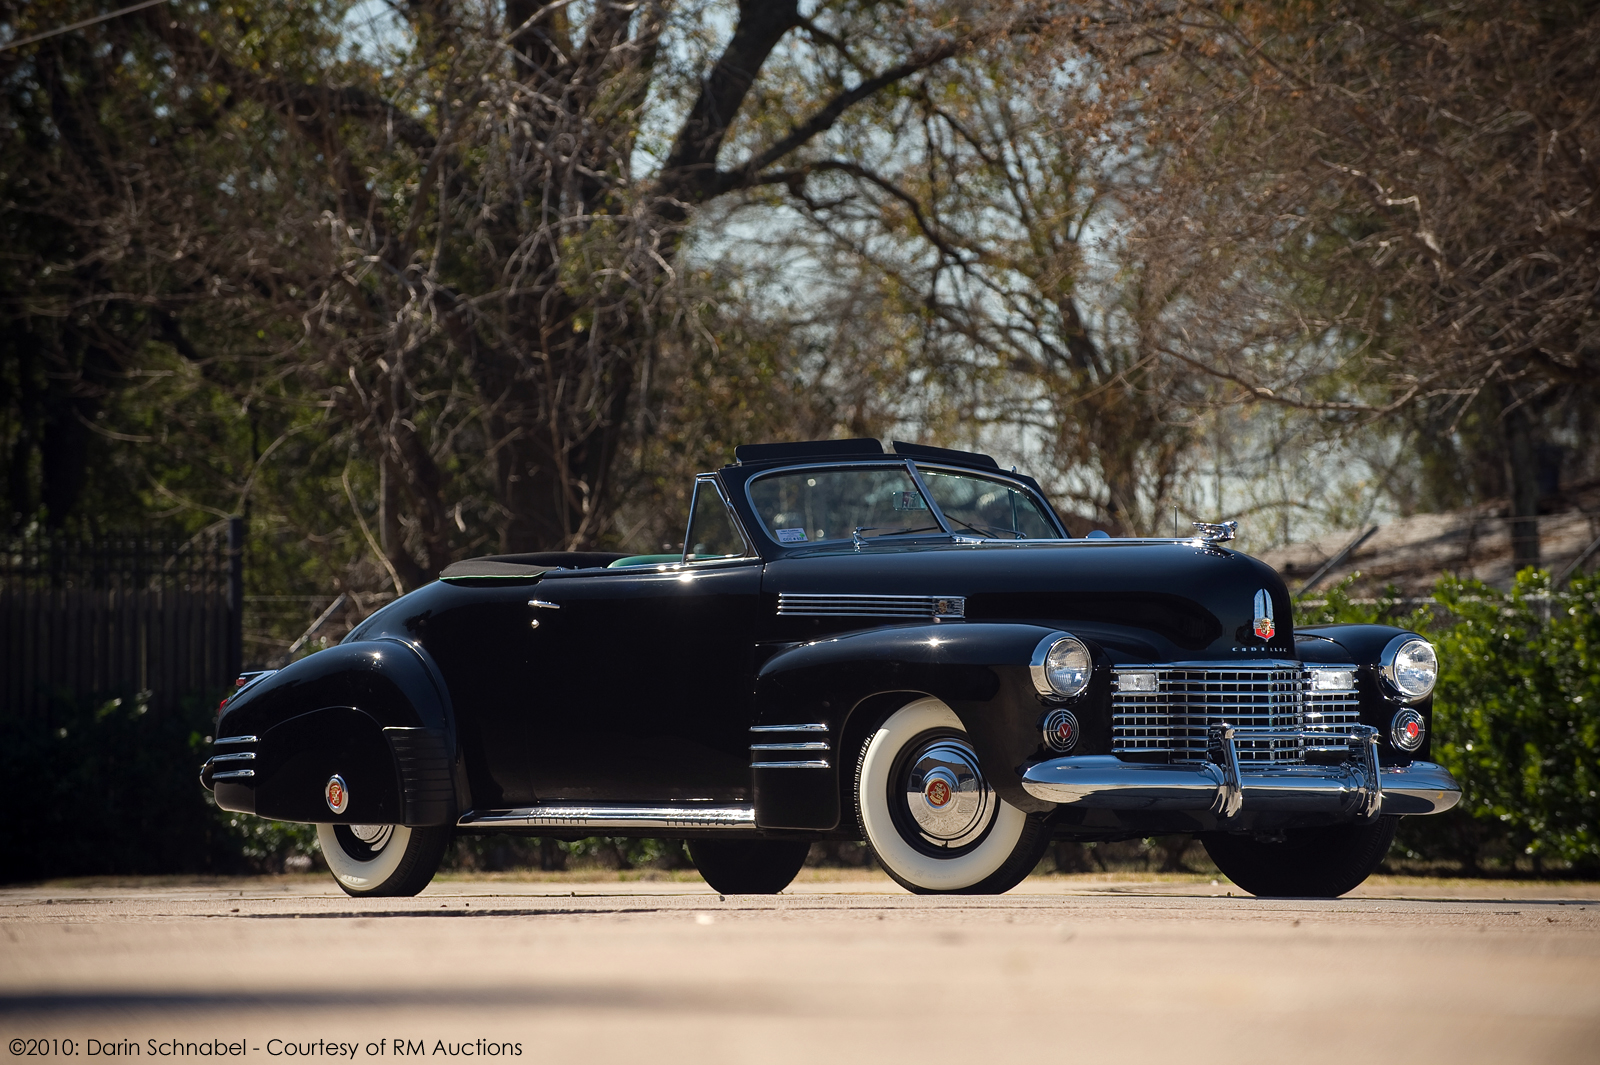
(233, 774)
(237, 756)
(813, 726)
(544, 604)
(821, 763)
(807, 604)
(616, 816)
(788, 746)
(224, 740)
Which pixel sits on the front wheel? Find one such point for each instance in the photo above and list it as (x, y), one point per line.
(1306, 863)
(383, 860)
(932, 820)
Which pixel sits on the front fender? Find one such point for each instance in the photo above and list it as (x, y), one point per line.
(846, 684)
(375, 712)
(1362, 645)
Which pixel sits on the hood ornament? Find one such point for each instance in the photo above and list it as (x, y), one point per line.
(1216, 533)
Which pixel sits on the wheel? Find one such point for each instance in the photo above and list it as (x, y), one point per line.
(383, 860)
(1308, 863)
(748, 866)
(932, 820)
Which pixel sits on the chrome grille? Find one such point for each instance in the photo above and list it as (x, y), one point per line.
(1188, 699)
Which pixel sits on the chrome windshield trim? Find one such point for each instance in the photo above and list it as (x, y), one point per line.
(989, 475)
(750, 551)
(810, 726)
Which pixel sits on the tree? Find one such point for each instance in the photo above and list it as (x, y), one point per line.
(1377, 210)
(971, 221)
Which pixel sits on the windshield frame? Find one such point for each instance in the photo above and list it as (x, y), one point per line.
(771, 543)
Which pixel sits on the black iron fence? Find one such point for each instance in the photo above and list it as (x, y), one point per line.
(120, 614)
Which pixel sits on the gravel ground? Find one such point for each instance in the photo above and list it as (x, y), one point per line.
(839, 968)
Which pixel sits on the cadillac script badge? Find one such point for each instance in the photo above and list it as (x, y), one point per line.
(1264, 626)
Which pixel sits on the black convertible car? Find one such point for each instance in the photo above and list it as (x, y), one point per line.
(904, 647)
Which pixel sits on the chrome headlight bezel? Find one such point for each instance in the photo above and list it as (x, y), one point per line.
(1061, 666)
(1406, 658)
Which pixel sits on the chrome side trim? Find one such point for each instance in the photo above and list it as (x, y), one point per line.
(237, 756)
(615, 816)
(788, 746)
(234, 774)
(820, 763)
(805, 604)
(222, 741)
(812, 726)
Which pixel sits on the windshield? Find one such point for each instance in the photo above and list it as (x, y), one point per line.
(977, 506)
(804, 506)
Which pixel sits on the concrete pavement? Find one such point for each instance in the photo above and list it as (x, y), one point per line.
(842, 970)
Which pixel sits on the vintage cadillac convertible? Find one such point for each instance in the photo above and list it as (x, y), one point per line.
(901, 646)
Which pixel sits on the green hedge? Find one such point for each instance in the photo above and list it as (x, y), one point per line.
(107, 786)
(1516, 718)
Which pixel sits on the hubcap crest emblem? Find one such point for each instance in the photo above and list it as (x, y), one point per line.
(938, 793)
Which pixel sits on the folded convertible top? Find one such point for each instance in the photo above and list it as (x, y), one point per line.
(526, 567)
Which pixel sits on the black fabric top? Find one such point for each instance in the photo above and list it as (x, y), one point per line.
(807, 449)
(945, 454)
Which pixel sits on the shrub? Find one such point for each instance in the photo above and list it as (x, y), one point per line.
(1516, 717)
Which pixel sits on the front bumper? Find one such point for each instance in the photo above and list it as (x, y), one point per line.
(1358, 789)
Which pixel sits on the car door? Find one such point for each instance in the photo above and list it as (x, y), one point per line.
(650, 670)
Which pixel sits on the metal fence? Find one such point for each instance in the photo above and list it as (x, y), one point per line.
(118, 614)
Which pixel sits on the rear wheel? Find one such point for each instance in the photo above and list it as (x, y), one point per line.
(383, 860)
(932, 820)
(748, 866)
(1308, 862)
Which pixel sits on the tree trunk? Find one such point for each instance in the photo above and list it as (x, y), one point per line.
(1522, 478)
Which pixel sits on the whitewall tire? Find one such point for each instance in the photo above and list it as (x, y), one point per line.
(933, 821)
(382, 860)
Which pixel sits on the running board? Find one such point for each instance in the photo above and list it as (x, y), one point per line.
(614, 815)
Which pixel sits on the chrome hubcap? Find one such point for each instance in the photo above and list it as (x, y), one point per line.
(946, 795)
(374, 836)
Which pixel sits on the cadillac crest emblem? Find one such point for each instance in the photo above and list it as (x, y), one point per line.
(1264, 623)
(337, 794)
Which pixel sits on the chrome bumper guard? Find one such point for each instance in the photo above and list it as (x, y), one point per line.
(1359, 788)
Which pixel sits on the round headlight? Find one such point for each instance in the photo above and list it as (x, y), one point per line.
(1061, 666)
(1410, 666)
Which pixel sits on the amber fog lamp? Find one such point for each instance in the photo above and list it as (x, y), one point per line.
(1409, 667)
(1408, 730)
(1061, 666)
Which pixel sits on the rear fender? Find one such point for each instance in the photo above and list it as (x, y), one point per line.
(850, 683)
(373, 712)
